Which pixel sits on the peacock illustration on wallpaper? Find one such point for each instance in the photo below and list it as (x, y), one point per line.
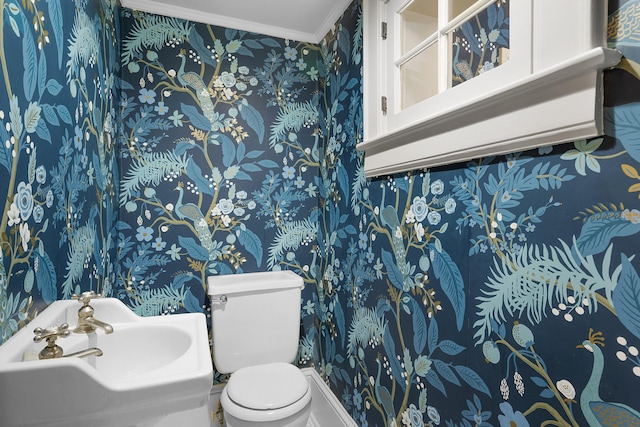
(461, 68)
(598, 412)
(189, 211)
(480, 44)
(195, 82)
(383, 396)
(389, 218)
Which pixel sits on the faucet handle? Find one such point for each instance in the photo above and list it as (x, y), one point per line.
(52, 350)
(51, 333)
(86, 297)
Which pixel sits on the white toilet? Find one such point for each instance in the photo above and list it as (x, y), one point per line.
(255, 320)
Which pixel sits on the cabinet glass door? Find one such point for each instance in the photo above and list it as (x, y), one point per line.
(444, 43)
(419, 68)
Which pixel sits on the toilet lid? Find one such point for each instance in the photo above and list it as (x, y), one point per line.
(270, 386)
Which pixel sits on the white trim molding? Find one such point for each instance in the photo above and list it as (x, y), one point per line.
(265, 26)
(326, 409)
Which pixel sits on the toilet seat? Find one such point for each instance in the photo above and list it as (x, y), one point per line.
(270, 386)
(266, 392)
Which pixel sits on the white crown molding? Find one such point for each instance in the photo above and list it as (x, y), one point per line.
(315, 35)
(331, 18)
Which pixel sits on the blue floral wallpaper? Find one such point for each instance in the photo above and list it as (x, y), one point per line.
(219, 158)
(143, 153)
(58, 157)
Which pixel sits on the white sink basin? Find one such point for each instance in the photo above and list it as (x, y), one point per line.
(151, 367)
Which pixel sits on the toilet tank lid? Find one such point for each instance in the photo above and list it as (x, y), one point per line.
(248, 282)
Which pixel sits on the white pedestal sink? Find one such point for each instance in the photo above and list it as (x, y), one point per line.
(151, 367)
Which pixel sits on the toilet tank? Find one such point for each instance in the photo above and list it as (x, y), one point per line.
(255, 318)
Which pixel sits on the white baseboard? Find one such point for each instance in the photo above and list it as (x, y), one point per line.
(326, 409)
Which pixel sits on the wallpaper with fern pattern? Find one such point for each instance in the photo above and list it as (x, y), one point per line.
(59, 95)
(499, 292)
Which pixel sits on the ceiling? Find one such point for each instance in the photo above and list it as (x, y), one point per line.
(301, 20)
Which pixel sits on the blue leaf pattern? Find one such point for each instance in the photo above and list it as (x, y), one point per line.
(196, 118)
(390, 348)
(56, 17)
(193, 171)
(626, 297)
(193, 248)
(451, 280)
(599, 229)
(473, 379)
(191, 303)
(253, 119)
(623, 123)
(30, 64)
(446, 372)
(394, 274)
(252, 243)
(46, 280)
(419, 327)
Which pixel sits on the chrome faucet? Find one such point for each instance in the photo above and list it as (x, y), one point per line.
(54, 351)
(86, 322)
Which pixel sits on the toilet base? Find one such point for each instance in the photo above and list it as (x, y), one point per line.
(299, 419)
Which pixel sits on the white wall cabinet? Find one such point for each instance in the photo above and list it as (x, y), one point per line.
(450, 80)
